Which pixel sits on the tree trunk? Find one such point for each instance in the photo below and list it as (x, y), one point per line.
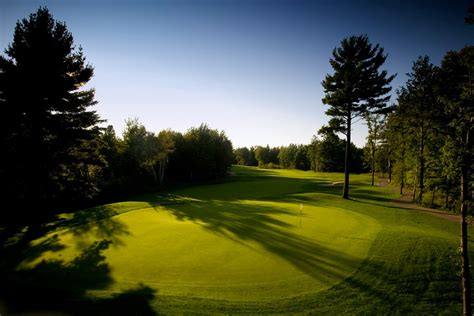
(465, 197)
(446, 199)
(414, 191)
(422, 164)
(402, 180)
(389, 167)
(154, 174)
(162, 172)
(465, 269)
(345, 193)
(373, 164)
(432, 198)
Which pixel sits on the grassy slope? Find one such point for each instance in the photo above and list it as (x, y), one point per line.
(244, 246)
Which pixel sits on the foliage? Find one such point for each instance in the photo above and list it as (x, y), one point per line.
(424, 132)
(327, 154)
(50, 139)
(266, 155)
(356, 87)
(245, 156)
(294, 157)
(209, 153)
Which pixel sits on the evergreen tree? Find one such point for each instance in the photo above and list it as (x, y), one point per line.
(49, 133)
(356, 87)
(302, 161)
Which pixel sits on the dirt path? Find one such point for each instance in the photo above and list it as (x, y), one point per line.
(405, 201)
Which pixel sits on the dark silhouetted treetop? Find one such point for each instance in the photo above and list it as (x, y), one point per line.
(470, 16)
(48, 110)
(357, 85)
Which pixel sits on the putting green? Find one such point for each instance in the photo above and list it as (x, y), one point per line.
(254, 240)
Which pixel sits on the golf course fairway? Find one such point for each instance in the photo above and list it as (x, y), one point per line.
(265, 241)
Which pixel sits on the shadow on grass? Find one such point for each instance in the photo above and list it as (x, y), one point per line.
(418, 280)
(264, 188)
(54, 286)
(372, 195)
(257, 222)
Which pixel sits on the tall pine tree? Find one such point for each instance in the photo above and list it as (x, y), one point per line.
(50, 132)
(356, 87)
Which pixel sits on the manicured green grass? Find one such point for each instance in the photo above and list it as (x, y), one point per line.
(266, 241)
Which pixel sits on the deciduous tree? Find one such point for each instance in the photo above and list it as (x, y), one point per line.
(457, 73)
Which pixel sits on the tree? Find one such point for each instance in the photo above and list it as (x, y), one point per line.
(395, 141)
(356, 87)
(209, 153)
(457, 94)
(245, 156)
(402, 137)
(302, 161)
(152, 154)
(374, 124)
(241, 155)
(422, 110)
(50, 128)
(469, 19)
(313, 154)
(331, 151)
(252, 160)
(266, 156)
(135, 142)
(287, 155)
(110, 152)
(166, 145)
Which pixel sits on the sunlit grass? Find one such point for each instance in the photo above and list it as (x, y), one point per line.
(272, 241)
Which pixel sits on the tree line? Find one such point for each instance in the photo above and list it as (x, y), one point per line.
(141, 160)
(325, 153)
(425, 145)
(421, 145)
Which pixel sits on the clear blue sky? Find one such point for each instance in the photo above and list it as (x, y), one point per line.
(251, 68)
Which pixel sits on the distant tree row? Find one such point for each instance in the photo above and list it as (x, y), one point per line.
(324, 154)
(141, 160)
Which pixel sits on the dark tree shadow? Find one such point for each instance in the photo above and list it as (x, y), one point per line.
(372, 195)
(109, 229)
(256, 222)
(135, 301)
(54, 286)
